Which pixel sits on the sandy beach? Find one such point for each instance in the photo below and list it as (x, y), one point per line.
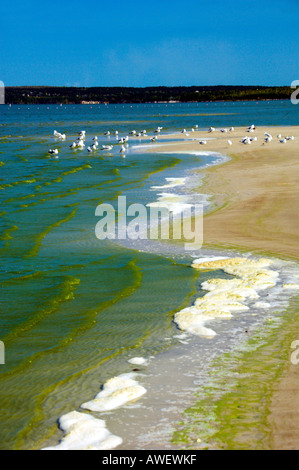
(255, 201)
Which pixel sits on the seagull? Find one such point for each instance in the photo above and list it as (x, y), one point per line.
(202, 142)
(229, 142)
(223, 130)
(246, 140)
(107, 147)
(212, 129)
(153, 139)
(283, 141)
(232, 129)
(268, 135)
(53, 151)
(58, 135)
(107, 133)
(123, 149)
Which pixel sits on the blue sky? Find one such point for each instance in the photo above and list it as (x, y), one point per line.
(149, 43)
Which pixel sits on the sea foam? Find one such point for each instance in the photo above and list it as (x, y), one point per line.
(225, 296)
(84, 432)
(175, 203)
(171, 183)
(116, 392)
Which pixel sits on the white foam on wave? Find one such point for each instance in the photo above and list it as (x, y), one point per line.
(138, 361)
(84, 432)
(116, 392)
(173, 202)
(171, 183)
(225, 296)
(291, 286)
(205, 260)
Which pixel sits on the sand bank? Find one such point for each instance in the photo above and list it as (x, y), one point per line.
(255, 194)
(255, 197)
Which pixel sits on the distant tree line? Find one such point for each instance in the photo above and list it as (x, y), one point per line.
(77, 95)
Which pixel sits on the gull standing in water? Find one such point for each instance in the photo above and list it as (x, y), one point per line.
(107, 147)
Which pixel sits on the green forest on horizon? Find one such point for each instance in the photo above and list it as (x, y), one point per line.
(78, 95)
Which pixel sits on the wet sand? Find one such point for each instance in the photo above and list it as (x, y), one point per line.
(255, 205)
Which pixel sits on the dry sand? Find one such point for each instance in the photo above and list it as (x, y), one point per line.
(255, 198)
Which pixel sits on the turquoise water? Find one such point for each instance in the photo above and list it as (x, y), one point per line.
(73, 307)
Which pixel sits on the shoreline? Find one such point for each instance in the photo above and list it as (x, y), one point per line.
(221, 201)
(255, 211)
(236, 195)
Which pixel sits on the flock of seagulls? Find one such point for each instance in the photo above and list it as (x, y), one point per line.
(268, 137)
(248, 140)
(224, 131)
(282, 140)
(79, 143)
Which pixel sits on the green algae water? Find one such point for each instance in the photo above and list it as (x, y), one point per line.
(74, 308)
(232, 408)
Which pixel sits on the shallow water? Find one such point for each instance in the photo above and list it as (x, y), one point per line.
(74, 308)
